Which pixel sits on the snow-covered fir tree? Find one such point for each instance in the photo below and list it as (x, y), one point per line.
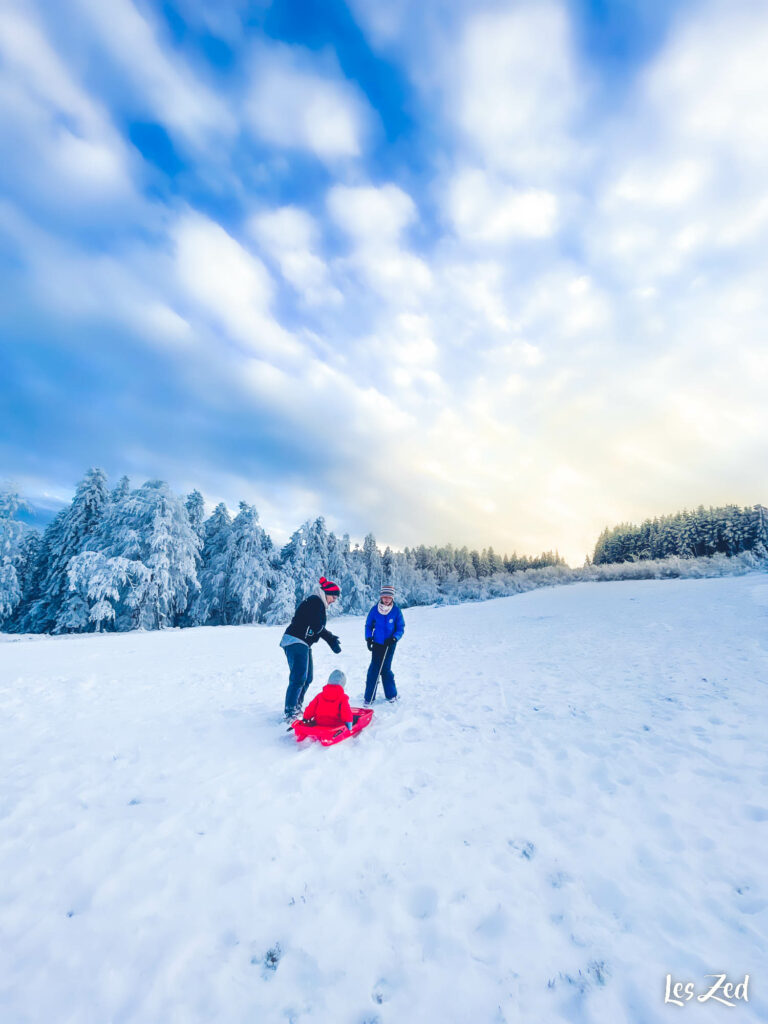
(372, 562)
(210, 606)
(98, 583)
(759, 531)
(195, 506)
(66, 537)
(150, 527)
(11, 532)
(354, 583)
(283, 602)
(304, 558)
(249, 569)
(121, 490)
(27, 567)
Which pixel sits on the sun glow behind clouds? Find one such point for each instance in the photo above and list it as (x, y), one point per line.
(429, 277)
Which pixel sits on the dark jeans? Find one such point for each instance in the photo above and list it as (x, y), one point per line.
(300, 663)
(387, 653)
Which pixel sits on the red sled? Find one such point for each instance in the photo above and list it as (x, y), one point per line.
(330, 734)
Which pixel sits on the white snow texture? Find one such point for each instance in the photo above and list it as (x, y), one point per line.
(569, 803)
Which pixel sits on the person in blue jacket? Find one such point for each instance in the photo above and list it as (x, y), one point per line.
(383, 629)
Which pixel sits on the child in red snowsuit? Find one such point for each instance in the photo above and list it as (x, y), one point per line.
(331, 705)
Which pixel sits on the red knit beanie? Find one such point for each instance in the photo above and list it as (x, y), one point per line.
(329, 588)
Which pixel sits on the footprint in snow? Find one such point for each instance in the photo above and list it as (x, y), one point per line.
(382, 991)
(748, 902)
(523, 847)
(595, 973)
(269, 960)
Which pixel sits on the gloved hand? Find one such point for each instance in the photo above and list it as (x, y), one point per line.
(392, 641)
(369, 643)
(335, 644)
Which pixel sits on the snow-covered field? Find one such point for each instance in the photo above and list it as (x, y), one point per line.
(570, 803)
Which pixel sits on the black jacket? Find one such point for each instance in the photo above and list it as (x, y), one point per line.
(308, 622)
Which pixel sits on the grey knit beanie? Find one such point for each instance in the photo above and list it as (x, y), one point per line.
(337, 678)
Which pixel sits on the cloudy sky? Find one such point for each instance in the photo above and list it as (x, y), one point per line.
(487, 273)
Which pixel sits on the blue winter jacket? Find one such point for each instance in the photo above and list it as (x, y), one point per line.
(383, 627)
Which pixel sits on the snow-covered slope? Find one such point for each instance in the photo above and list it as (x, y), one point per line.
(570, 803)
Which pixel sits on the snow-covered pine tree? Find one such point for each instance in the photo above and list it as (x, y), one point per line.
(121, 490)
(337, 551)
(210, 606)
(98, 582)
(64, 538)
(35, 617)
(372, 562)
(86, 513)
(282, 603)
(11, 531)
(10, 590)
(171, 554)
(730, 530)
(150, 527)
(27, 570)
(249, 569)
(195, 506)
(462, 563)
(337, 568)
(481, 564)
(423, 587)
(759, 532)
(356, 589)
(305, 557)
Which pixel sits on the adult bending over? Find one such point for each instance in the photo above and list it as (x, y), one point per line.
(306, 628)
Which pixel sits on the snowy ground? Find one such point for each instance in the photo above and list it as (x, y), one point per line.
(570, 802)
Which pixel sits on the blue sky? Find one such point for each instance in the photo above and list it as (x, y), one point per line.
(487, 273)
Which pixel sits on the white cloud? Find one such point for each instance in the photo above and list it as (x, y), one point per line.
(484, 210)
(710, 83)
(668, 185)
(225, 21)
(515, 88)
(298, 103)
(383, 22)
(27, 52)
(376, 220)
(404, 357)
(474, 291)
(60, 145)
(685, 181)
(292, 238)
(414, 345)
(219, 276)
(168, 87)
(128, 287)
(368, 213)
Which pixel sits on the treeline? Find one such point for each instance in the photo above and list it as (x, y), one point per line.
(146, 558)
(727, 530)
